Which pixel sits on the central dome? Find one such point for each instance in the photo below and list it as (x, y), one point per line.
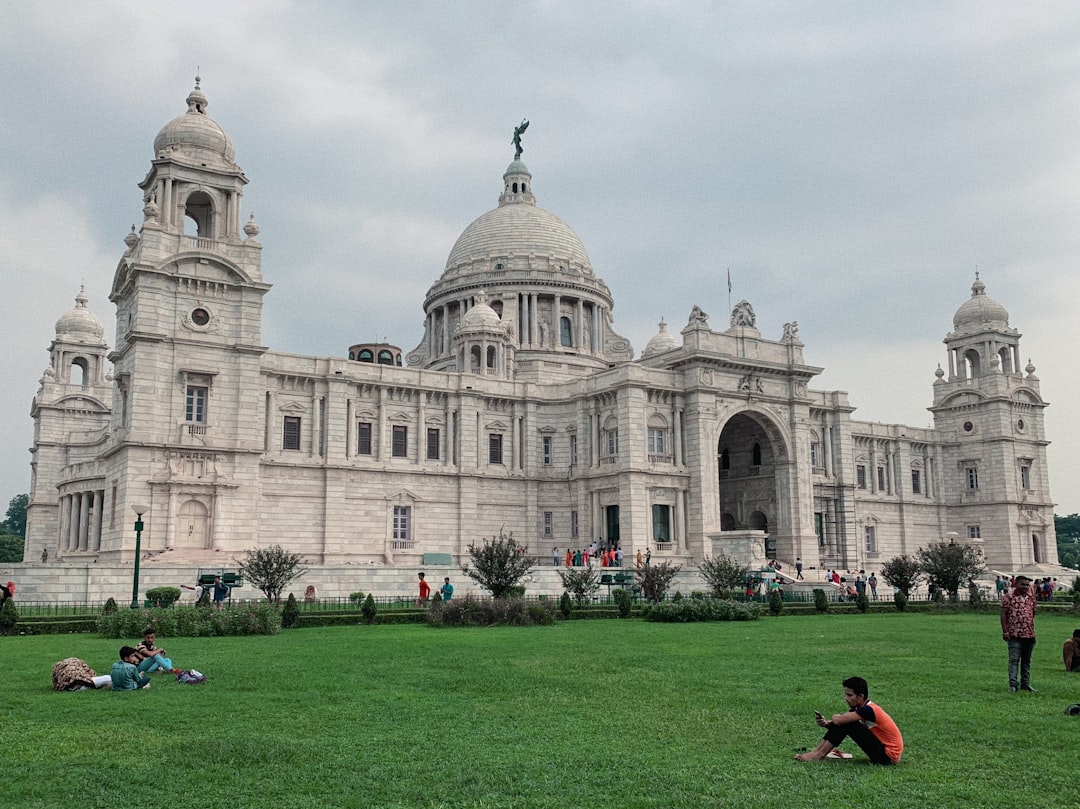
(520, 230)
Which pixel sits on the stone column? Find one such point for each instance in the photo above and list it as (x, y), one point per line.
(99, 499)
(84, 520)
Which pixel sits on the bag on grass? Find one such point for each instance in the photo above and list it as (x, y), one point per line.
(191, 677)
(1073, 710)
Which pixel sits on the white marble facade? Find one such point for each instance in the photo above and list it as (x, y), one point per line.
(521, 408)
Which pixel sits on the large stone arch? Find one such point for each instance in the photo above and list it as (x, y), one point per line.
(751, 449)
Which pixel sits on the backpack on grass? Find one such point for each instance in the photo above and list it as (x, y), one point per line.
(191, 677)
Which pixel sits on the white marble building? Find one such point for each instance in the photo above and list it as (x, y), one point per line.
(520, 408)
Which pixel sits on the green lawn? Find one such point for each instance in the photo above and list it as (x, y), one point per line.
(581, 714)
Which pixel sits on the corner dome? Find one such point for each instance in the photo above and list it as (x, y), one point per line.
(80, 325)
(980, 311)
(661, 342)
(195, 135)
(481, 316)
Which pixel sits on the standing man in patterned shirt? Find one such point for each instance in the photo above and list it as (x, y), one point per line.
(1018, 630)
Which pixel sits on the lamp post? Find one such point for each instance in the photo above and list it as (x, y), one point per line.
(139, 511)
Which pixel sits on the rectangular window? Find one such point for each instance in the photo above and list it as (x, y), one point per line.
(971, 473)
(1025, 477)
(290, 434)
(399, 446)
(545, 447)
(495, 453)
(819, 527)
(433, 444)
(611, 442)
(195, 409)
(815, 455)
(916, 481)
(661, 523)
(974, 532)
(363, 438)
(656, 441)
(573, 449)
(549, 523)
(401, 523)
(574, 524)
(860, 476)
(881, 479)
(871, 539)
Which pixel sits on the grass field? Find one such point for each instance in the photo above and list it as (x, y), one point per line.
(581, 714)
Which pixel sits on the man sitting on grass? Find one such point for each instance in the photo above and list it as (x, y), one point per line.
(866, 724)
(1070, 652)
(125, 674)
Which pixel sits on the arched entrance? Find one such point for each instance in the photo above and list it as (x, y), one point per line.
(192, 526)
(746, 467)
(1036, 549)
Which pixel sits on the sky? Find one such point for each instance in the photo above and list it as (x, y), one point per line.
(852, 164)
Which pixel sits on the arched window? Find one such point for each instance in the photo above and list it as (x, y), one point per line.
(386, 357)
(727, 521)
(1036, 549)
(757, 455)
(352, 355)
(491, 357)
(199, 214)
(1006, 360)
(971, 363)
(80, 372)
(365, 355)
(566, 335)
(474, 354)
(759, 522)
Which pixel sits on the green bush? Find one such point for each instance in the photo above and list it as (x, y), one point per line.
(565, 606)
(110, 607)
(821, 600)
(517, 591)
(622, 601)
(776, 602)
(356, 599)
(249, 618)
(473, 611)
(862, 603)
(163, 596)
(692, 609)
(9, 617)
(290, 612)
(901, 600)
(369, 609)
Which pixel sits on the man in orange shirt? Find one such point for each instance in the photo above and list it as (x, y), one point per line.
(425, 592)
(866, 724)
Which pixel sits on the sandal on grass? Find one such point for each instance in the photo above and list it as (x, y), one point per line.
(840, 754)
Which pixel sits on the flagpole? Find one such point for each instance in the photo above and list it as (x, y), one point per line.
(729, 289)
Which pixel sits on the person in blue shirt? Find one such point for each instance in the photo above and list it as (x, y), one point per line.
(447, 590)
(125, 673)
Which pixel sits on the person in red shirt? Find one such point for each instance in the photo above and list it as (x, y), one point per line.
(1018, 631)
(425, 591)
(867, 724)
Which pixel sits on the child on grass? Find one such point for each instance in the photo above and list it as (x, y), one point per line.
(125, 673)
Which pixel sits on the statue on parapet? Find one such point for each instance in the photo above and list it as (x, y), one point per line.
(518, 130)
(698, 317)
(743, 314)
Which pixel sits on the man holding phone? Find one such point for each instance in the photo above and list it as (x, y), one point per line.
(866, 724)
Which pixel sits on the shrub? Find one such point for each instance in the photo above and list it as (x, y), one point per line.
(290, 613)
(862, 603)
(271, 569)
(723, 574)
(901, 600)
(976, 599)
(110, 607)
(356, 599)
(473, 611)
(250, 618)
(9, 617)
(821, 600)
(369, 609)
(498, 565)
(1076, 592)
(622, 600)
(163, 596)
(902, 572)
(565, 607)
(655, 580)
(776, 602)
(580, 582)
(707, 609)
(517, 591)
(950, 565)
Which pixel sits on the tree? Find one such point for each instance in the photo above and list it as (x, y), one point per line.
(950, 565)
(16, 515)
(723, 574)
(903, 573)
(1068, 539)
(655, 580)
(580, 582)
(498, 565)
(11, 548)
(271, 569)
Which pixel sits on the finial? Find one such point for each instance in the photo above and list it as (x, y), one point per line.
(197, 79)
(518, 130)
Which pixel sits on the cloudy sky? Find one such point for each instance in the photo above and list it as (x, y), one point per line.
(851, 163)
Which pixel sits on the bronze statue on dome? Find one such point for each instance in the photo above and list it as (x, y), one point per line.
(518, 130)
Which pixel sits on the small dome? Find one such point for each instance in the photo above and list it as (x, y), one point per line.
(980, 312)
(481, 316)
(195, 134)
(661, 342)
(79, 325)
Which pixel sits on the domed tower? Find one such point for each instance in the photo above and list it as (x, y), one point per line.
(538, 281)
(189, 404)
(993, 473)
(71, 418)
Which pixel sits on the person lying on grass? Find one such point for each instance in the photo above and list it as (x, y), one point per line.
(866, 724)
